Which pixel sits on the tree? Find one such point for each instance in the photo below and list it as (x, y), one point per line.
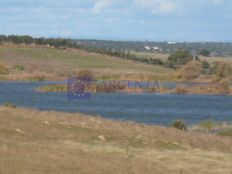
(178, 58)
(40, 41)
(208, 125)
(3, 38)
(205, 53)
(26, 39)
(205, 65)
(179, 124)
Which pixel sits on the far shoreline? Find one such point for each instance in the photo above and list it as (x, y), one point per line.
(63, 84)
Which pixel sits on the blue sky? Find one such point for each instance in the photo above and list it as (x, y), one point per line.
(153, 20)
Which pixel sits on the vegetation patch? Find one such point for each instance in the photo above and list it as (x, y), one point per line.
(52, 88)
(179, 124)
(19, 67)
(3, 70)
(37, 78)
(180, 57)
(208, 125)
(181, 90)
(190, 71)
(9, 105)
(226, 132)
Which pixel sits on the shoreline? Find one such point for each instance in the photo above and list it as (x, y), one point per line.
(45, 89)
(62, 143)
(160, 90)
(204, 127)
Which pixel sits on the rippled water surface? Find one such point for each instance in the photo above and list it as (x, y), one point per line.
(145, 108)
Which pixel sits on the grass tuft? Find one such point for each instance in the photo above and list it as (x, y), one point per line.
(9, 105)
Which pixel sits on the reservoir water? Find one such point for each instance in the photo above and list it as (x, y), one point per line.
(145, 108)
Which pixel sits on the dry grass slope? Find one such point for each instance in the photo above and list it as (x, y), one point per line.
(32, 141)
(57, 64)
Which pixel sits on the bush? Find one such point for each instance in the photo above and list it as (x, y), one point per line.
(85, 75)
(52, 88)
(227, 132)
(205, 65)
(189, 71)
(19, 67)
(178, 58)
(9, 105)
(3, 70)
(37, 78)
(181, 90)
(208, 125)
(225, 87)
(221, 70)
(205, 53)
(179, 125)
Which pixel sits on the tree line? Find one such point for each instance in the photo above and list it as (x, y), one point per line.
(58, 42)
(176, 59)
(25, 39)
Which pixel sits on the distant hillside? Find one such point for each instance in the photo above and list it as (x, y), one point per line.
(216, 49)
(24, 61)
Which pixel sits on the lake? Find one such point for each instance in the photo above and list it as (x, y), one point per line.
(162, 109)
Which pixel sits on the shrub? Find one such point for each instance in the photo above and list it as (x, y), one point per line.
(225, 87)
(9, 105)
(181, 90)
(3, 70)
(205, 53)
(205, 65)
(37, 78)
(227, 132)
(19, 67)
(85, 75)
(221, 70)
(53, 88)
(180, 57)
(179, 125)
(208, 125)
(189, 71)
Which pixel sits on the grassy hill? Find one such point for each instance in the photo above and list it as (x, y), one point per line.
(32, 141)
(58, 64)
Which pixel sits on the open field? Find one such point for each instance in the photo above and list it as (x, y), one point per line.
(217, 59)
(38, 63)
(160, 56)
(58, 64)
(164, 57)
(32, 141)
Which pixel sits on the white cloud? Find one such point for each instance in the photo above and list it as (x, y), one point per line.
(101, 5)
(167, 6)
(158, 6)
(171, 6)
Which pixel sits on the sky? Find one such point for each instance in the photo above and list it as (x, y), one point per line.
(151, 20)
